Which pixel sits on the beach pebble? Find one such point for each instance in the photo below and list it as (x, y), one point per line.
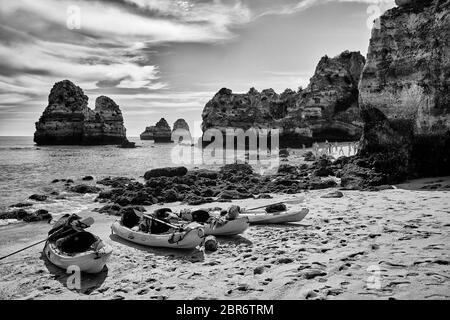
(311, 274)
(334, 194)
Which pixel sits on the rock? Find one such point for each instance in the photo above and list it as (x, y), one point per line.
(404, 97)
(233, 194)
(181, 133)
(162, 132)
(166, 172)
(127, 145)
(170, 195)
(334, 194)
(21, 214)
(287, 168)
(264, 196)
(83, 188)
(88, 178)
(38, 197)
(113, 210)
(309, 156)
(326, 109)
(55, 181)
(21, 205)
(67, 119)
(276, 208)
(283, 153)
(148, 134)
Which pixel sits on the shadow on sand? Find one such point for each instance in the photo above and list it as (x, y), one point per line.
(192, 255)
(89, 282)
(427, 184)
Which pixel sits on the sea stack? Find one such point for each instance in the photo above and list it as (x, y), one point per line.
(163, 133)
(326, 110)
(404, 96)
(180, 132)
(148, 134)
(67, 120)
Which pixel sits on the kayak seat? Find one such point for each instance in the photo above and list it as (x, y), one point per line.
(76, 243)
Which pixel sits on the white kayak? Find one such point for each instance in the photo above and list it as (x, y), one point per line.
(90, 261)
(189, 239)
(229, 228)
(277, 217)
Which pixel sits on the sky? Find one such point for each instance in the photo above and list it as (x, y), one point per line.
(167, 58)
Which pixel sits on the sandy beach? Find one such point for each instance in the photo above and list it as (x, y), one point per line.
(390, 244)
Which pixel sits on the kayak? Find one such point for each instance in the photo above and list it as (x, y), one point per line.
(229, 228)
(189, 239)
(276, 217)
(91, 261)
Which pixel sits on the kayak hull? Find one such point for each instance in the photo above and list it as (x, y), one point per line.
(89, 262)
(181, 240)
(230, 228)
(278, 217)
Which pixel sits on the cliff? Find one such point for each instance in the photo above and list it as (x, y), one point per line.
(326, 110)
(404, 89)
(404, 94)
(67, 120)
(148, 134)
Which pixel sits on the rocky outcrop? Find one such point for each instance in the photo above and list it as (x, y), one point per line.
(326, 110)
(404, 93)
(67, 120)
(148, 134)
(180, 132)
(162, 133)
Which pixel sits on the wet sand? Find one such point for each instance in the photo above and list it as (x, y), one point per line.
(365, 245)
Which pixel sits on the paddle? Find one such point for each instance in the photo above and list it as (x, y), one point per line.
(294, 201)
(153, 218)
(87, 222)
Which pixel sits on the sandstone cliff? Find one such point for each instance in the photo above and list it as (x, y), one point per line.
(404, 90)
(326, 109)
(67, 120)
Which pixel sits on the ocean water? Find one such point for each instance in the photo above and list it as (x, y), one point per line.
(26, 169)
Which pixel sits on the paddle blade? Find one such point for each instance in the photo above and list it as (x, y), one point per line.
(295, 201)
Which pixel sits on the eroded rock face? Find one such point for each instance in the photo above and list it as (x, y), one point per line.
(148, 134)
(404, 91)
(162, 133)
(68, 120)
(326, 109)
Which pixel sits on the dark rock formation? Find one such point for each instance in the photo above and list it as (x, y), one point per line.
(162, 132)
(148, 134)
(68, 119)
(127, 145)
(326, 109)
(181, 133)
(21, 214)
(165, 172)
(404, 96)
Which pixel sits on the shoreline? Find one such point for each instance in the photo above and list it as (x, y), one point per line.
(398, 235)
